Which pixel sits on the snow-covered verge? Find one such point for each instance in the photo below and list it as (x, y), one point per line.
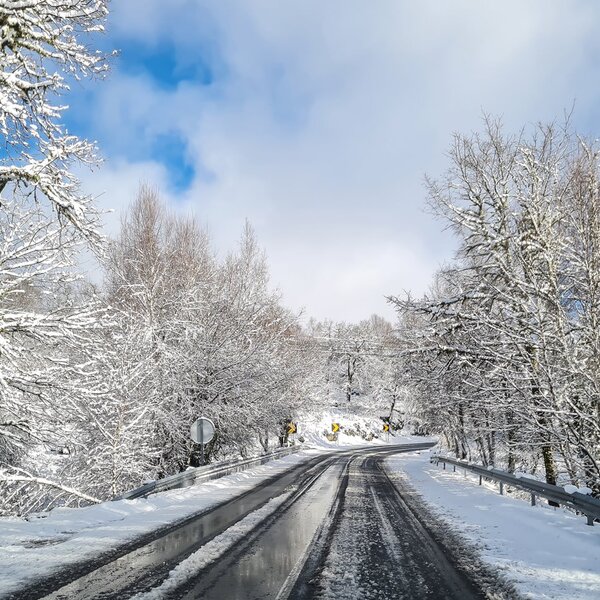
(548, 553)
(347, 442)
(360, 425)
(35, 547)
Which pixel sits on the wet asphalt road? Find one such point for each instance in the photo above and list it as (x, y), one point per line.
(377, 547)
(344, 529)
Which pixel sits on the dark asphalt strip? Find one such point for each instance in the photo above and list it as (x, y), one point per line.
(459, 555)
(258, 566)
(428, 570)
(270, 555)
(270, 561)
(305, 584)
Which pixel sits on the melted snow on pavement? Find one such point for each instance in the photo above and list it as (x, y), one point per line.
(211, 551)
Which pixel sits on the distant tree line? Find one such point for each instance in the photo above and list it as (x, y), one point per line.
(99, 383)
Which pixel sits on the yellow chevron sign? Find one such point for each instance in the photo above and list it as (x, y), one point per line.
(291, 428)
(386, 426)
(335, 427)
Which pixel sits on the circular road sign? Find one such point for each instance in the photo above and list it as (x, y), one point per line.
(202, 430)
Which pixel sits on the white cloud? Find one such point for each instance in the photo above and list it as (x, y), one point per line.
(324, 117)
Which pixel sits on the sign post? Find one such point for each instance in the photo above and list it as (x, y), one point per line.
(335, 430)
(290, 429)
(386, 428)
(202, 431)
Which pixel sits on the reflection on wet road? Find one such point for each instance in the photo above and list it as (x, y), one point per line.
(259, 568)
(147, 566)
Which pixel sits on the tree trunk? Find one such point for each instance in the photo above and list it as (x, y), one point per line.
(550, 468)
(481, 446)
(510, 442)
(264, 440)
(491, 440)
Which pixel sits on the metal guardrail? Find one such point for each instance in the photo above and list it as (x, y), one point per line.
(581, 503)
(205, 473)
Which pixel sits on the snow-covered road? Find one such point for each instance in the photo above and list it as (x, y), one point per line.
(381, 547)
(144, 563)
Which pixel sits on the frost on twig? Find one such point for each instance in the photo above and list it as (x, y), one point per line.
(50, 323)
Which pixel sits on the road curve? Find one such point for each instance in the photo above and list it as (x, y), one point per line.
(340, 527)
(369, 544)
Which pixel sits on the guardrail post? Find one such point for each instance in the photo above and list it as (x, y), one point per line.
(444, 466)
(590, 520)
(532, 499)
(502, 488)
(454, 468)
(480, 480)
(465, 472)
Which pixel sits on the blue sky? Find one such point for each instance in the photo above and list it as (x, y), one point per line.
(317, 121)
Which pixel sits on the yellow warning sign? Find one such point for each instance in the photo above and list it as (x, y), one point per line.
(335, 427)
(291, 428)
(386, 426)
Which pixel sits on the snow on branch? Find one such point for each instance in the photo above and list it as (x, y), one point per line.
(22, 476)
(41, 49)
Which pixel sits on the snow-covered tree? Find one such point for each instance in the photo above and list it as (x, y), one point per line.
(43, 48)
(199, 337)
(361, 362)
(47, 328)
(507, 331)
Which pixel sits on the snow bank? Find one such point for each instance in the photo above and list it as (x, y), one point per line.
(360, 426)
(549, 553)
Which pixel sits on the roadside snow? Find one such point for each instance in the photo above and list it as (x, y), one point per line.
(353, 427)
(349, 442)
(359, 422)
(548, 553)
(35, 548)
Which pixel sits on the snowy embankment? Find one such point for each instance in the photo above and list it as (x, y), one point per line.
(350, 442)
(41, 545)
(548, 553)
(359, 426)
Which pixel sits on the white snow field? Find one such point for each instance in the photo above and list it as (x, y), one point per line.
(549, 553)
